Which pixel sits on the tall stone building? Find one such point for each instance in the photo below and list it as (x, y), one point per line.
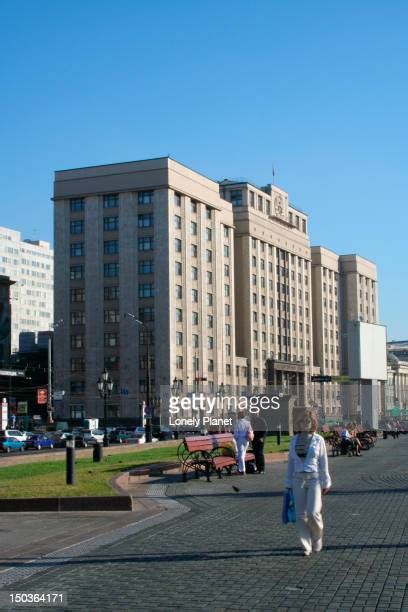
(154, 239)
(272, 284)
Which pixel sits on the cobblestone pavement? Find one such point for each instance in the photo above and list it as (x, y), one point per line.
(231, 552)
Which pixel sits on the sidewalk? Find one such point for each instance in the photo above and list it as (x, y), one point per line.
(231, 552)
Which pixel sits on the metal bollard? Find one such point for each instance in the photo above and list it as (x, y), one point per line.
(97, 452)
(71, 460)
(278, 436)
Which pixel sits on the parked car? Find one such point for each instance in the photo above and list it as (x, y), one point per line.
(39, 441)
(8, 444)
(163, 433)
(122, 436)
(14, 433)
(97, 434)
(141, 435)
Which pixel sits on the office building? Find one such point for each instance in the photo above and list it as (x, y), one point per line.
(29, 264)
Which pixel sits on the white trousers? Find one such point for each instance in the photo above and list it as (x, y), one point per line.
(242, 445)
(308, 504)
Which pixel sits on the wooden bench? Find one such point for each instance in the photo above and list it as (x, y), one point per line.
(202, 454)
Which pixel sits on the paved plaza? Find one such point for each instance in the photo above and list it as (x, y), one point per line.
(230, 551)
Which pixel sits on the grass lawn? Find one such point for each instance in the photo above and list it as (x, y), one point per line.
(47, 479)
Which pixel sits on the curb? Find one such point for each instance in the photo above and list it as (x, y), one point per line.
(67, 504)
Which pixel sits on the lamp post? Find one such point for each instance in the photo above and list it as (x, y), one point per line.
(175, 389)
(148, 407)
(53, 327)
(221, 394)
(105, 386)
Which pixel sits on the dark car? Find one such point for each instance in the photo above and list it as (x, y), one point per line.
(122, 436)
(163, 433)
(39, 441)
(8, 444)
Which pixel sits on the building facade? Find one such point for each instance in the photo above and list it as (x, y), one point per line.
(30, 265)
(272, 284)
(153, 239)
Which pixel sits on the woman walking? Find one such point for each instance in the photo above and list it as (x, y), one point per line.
(243, 435)
(309, 477)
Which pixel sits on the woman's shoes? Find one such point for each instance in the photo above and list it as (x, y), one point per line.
(307, 553)
(317, 546)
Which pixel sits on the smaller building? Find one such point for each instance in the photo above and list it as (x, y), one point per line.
(5, 320)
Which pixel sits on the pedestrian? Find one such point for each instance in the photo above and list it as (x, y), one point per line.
(243, 435)
(259, 427)
(308, 476)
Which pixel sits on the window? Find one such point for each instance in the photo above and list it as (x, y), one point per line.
(111, 362)
(146, 290)
(227, 310)
(210, 321)
(145, 243)
(111, 315)
(228, 350)
(304, 225)
(77, 295)
(177, 199)
(179, 362)
(110, 224)
(208, 276)
(111, 293)
(77, 272)
(226, 250)
(110, 270)
(226, 290)
(76, 204)
(208, 256)
(252, 198)
(210, 365)
(194, 341)
(260, 203)
(77, 386)
(145, 197)
(77, 249)
(194, 273)
(179, 315)
(194, 318)
(210, 342)
(227, 329)
(111, 200)
(146, 314)
(179, 292)
(268, 208)
(193, 206)
(209, 299)
(77, 364)
(194, 250)
(145, 220)
(228, 369)
(254, 243)
(111, 339)
(236, 197)
(146, 266)
(208, 233)
(226, 270)
(226, 231)
(77, 341)
(77, 317)
(77, 226)
(208, 213)
(177, 245)
(193, 228)
(177, 222)
(111, 247)
(194, 295)
(179, 338)
(178, 268)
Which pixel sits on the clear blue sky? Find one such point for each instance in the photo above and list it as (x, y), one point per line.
(317, 89)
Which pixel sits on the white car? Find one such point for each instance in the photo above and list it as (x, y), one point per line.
(97, 434)
(21, 436)
(141, 436)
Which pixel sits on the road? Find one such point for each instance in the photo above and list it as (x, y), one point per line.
(231, 552)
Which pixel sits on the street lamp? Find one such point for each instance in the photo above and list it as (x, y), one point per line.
(105, 387)
(221, 394)
(53, 327)
(148, 407)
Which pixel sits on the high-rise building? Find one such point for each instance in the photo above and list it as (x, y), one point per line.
(272, 284)
(30, 265)
(154, 239)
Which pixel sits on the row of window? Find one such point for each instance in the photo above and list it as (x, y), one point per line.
(111, 200)
(111, 339)
(194, 294)
(77, 294)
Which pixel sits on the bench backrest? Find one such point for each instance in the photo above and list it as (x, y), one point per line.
(206, 443)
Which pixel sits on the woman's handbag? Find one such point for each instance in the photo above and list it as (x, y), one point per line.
(288, 509)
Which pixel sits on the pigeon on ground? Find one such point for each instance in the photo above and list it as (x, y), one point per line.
(236, 489)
